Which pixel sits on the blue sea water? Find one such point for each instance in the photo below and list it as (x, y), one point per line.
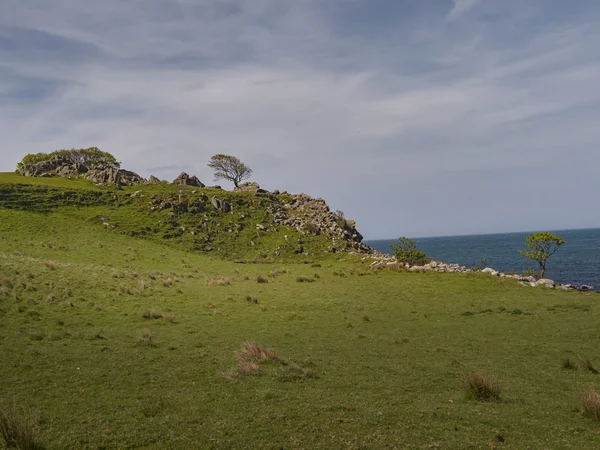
(575, 262)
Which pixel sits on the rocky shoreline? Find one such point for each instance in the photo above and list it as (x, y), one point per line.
(384, 260)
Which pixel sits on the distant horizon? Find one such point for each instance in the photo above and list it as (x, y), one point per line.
(411, 236)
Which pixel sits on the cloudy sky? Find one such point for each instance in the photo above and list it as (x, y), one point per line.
(415, 117)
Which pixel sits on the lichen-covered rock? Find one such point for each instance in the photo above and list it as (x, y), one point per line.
(153, 180)
(61, 167)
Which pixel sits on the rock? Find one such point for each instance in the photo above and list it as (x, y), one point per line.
(185, 180)
(585, 288)
(223, 205)
(566, 287)
(250, 187)
(546, 282)
(260, 226)
(153, 180)
(491, 271)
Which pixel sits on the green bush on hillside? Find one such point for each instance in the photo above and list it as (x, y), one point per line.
(406, 251)
(91, 157)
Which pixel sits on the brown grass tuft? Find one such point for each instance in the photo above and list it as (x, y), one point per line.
(251, 299)
(305, 280)
(254, 352)
(482, 387)
(151, 314)
(16, 432)
(50, 265)
(168, 282)
(590, 404)
(221, 281)
(568, 364)
(262, 279)
(146, 338)
(586, 364)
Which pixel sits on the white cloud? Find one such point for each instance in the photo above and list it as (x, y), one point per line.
(461, 7)
(313, 107)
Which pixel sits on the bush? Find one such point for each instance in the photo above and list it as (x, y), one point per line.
(406, 251)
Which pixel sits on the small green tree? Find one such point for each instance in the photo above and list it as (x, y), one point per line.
(541, 247)
(230, 168)
(406, 251)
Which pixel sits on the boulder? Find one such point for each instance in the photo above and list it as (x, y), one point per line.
(184, 179)
(153, 180)
(491, 271)
(251, 186)
(546, 282)
(222, 205)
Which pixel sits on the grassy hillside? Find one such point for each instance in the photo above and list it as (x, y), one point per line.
(178, 217)
(109, 340)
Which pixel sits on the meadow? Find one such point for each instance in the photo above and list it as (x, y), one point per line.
(112, 339)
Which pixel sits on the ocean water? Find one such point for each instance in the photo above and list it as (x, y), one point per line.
(576, 262)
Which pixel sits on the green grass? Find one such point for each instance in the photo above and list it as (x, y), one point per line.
(84, 345)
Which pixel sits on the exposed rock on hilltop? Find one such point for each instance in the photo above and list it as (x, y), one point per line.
(185, 180)
(313, 216)
(62, 167)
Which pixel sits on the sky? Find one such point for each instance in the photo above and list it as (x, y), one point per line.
(413, 117)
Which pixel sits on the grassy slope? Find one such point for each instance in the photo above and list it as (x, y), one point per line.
(382, 346)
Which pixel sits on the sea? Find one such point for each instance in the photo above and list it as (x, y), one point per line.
(576, 262)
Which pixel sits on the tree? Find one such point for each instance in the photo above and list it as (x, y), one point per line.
(229, 168)
(405, 250)
(541, 247)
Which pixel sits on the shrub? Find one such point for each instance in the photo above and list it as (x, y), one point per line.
(16, 432)
(532, 273)
(482, 387)
(590, 404)
(406, 251)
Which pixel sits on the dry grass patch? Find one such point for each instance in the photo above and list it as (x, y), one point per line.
(482, 387)
(16, 431)
(146, 338)
(590, 404)
(50, 265)
(586, 364)
(153, 314)
(221, 281)
(305, 280)
(568, 364)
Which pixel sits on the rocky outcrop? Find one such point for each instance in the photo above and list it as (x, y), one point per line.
(313, 216)
(61, 167)
(153, 180)
(251, 186)
(185, 180)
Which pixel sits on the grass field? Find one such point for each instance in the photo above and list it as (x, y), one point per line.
(114, 341)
